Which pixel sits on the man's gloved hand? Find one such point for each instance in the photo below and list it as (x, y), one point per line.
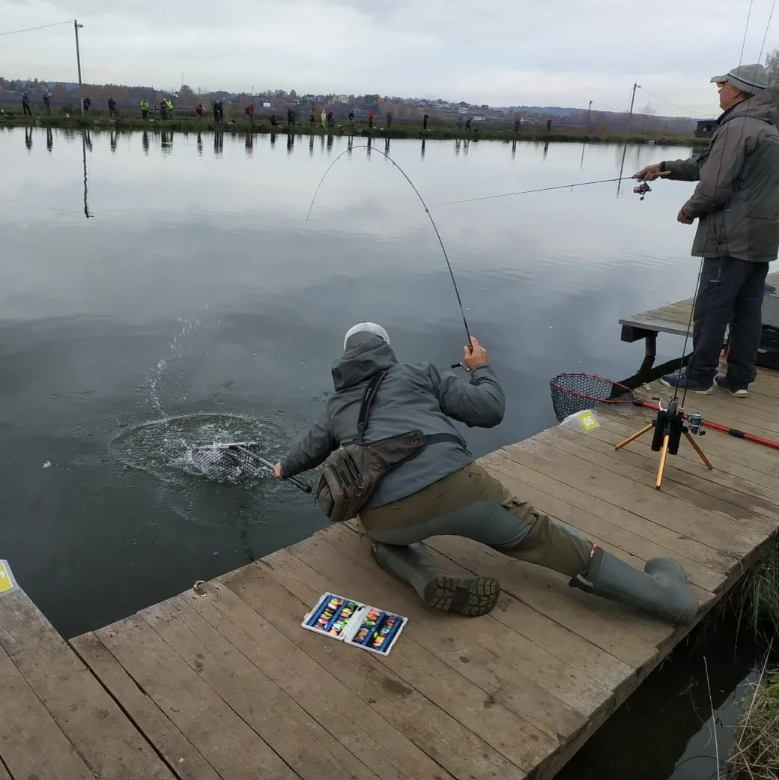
(476, 358)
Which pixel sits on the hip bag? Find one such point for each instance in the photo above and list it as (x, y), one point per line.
(353, 472)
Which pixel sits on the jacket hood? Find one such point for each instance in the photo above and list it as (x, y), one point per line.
(365, 355)
(761, 106)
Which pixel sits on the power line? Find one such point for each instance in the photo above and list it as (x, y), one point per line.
(668, 103)
(31, 29)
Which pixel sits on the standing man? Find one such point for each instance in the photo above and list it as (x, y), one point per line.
(144, 108)
(736, 203)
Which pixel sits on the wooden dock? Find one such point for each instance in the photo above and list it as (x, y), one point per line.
(222, 681)
(673, 319)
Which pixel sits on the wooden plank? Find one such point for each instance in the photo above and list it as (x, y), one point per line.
(390, 754)
(719, 445)
(31, 743)
(735, 457)
(432, 729)
(644, 545)
(106, 740)
(179, 753)
(752, 511)
(478, 710)
(523, 673)
(232, 748)
(690, 471)
(606, 669)
(647, 322)
(283, 724)
(711, 528)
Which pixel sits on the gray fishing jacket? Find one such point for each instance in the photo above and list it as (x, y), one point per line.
(410, 397)
(736, 201)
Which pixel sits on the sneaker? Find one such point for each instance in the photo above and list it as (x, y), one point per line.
(683, 382)
(736, 391)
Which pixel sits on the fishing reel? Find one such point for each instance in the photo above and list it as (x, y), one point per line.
(695, 424)
(642, 189)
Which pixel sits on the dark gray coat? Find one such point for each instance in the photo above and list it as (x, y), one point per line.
(411, 397)
(736, 201)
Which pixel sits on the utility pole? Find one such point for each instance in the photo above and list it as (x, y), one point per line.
(588, 113)
(632, 100)
(76, 25)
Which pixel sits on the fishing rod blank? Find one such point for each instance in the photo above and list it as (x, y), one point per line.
(544, 189)
(427, 211)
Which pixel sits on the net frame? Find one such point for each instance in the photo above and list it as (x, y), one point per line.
(575, 392)
(232, 462)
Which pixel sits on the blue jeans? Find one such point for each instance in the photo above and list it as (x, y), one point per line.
(731, 293)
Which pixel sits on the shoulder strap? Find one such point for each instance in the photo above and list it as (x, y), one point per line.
(367, 400)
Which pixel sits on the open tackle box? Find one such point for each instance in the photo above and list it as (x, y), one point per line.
(350, 621)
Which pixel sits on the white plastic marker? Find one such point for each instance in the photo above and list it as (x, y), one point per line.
(585, 421)
(7, 582)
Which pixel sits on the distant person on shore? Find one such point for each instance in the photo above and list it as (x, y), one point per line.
(273, 121)
(26, 110)
(371, 114)
(169, 106)
(389, 120)
(87, 104)
(548, 125)
(351, 118)
(330, 119)
(430, 484)
(425, 120)
(199, 111)
(47, 102)
(516, 125)
(163, 110)
(144, 106)
(323, 118)
(250, 112)
(468, 124)
(736, 203)
(312, 118)
(460, 122)
(112, 109)
(215, 107)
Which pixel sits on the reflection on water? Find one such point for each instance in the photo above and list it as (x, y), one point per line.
(98, 358)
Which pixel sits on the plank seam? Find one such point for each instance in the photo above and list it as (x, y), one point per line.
(129, 717)
(259, 564)
(219, 695)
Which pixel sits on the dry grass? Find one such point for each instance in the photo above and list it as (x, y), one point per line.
(755, 752)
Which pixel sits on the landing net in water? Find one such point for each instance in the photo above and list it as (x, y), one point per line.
(234, 463)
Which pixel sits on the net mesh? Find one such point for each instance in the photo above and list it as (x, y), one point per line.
(229, 462)
(572, 393)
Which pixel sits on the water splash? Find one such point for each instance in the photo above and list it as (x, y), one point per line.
(163, 449)
(162, 372)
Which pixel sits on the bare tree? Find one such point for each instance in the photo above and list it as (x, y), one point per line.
(647, 117)
(772, 65)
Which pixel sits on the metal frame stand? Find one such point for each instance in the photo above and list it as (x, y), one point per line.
(669, 425)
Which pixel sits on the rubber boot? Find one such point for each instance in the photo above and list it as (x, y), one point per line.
(439, 589)
(661, 589)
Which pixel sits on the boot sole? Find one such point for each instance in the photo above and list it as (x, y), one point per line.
(471, 597)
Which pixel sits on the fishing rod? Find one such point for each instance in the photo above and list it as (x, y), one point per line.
(427, 211)
(640, 189)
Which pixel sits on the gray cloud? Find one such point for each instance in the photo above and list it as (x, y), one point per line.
(562, 52)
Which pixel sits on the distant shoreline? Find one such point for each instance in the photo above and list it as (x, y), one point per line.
(101, 122)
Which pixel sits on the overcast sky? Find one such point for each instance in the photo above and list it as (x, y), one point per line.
(501, 52)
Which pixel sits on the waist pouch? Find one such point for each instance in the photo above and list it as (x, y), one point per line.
(353, 472)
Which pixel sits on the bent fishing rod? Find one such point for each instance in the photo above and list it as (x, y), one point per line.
(427, 211)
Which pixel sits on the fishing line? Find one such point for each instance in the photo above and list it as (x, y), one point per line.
(542, 189)
(427, 211)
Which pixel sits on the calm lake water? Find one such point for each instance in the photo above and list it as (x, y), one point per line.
(196, 292)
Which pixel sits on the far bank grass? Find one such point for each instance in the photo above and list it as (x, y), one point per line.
(101, 121)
